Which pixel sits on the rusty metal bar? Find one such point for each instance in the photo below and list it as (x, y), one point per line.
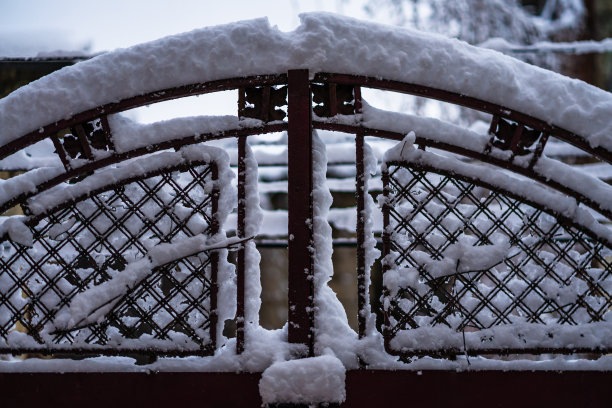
(386, 238)
(59, 149)
(300, 209)
(538, 151)
(83, 141)
(241, 259)
(516, 138)
(137, 101)
(265, 104)
(468, 102)
(107, 131)
(362, 284)
(360, 192)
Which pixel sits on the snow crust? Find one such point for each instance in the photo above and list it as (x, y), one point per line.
(322, 43)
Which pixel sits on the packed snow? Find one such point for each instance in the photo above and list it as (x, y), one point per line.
(307, 380)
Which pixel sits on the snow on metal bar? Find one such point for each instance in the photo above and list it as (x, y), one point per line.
(476, 260)
(131, 258)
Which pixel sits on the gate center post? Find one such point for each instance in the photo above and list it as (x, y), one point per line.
(301, 321)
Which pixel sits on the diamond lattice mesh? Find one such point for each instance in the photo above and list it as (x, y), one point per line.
(89, 242)
(468, 258)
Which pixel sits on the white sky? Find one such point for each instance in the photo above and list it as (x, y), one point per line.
(110, 24)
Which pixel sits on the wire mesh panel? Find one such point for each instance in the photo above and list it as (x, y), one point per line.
(472, 268)
(85, 243)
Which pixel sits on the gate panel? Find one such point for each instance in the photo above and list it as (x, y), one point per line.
(471, 268)
(153, 299)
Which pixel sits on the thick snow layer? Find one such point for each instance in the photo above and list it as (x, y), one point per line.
(226, 361)
(514, 336)
(16, 229)
(133, 168)
(253, 222)
(322, 43)
(129, 135)
(307, 380)
(332, 331)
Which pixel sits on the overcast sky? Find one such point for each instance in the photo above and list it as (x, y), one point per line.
(30, 28)
(109, 24)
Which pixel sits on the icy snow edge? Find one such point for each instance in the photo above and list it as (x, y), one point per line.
(323, 42)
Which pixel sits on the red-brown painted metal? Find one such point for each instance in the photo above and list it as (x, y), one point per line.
(300, 210)
(364, 388)
(300, 126)
(241, 259)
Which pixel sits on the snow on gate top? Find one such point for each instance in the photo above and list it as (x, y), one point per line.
(322, 43)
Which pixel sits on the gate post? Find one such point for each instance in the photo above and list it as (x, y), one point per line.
(300, 209)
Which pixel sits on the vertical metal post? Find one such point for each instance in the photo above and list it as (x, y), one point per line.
(362, 290)
(214, 261)
(300, 209)
(361, 191)
(386, 237)
(240, 264)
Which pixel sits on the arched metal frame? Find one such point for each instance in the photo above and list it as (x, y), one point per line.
(299, 126)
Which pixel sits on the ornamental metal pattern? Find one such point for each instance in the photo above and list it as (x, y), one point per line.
(549, 274)
(84, 243)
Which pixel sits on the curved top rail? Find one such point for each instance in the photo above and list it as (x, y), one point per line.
(322, 43)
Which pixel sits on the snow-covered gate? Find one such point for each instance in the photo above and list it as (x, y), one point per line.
(492, 250)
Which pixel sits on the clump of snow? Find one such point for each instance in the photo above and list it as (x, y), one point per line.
(17, 230)
(332, 330)
(322, 43)
(307, 380)
(253, 222)
(130, 135)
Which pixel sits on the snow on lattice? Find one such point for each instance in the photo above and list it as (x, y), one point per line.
(490, 272)
(87, 257)
(322, 43)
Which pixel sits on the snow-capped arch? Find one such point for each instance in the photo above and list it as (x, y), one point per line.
(322, 43)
